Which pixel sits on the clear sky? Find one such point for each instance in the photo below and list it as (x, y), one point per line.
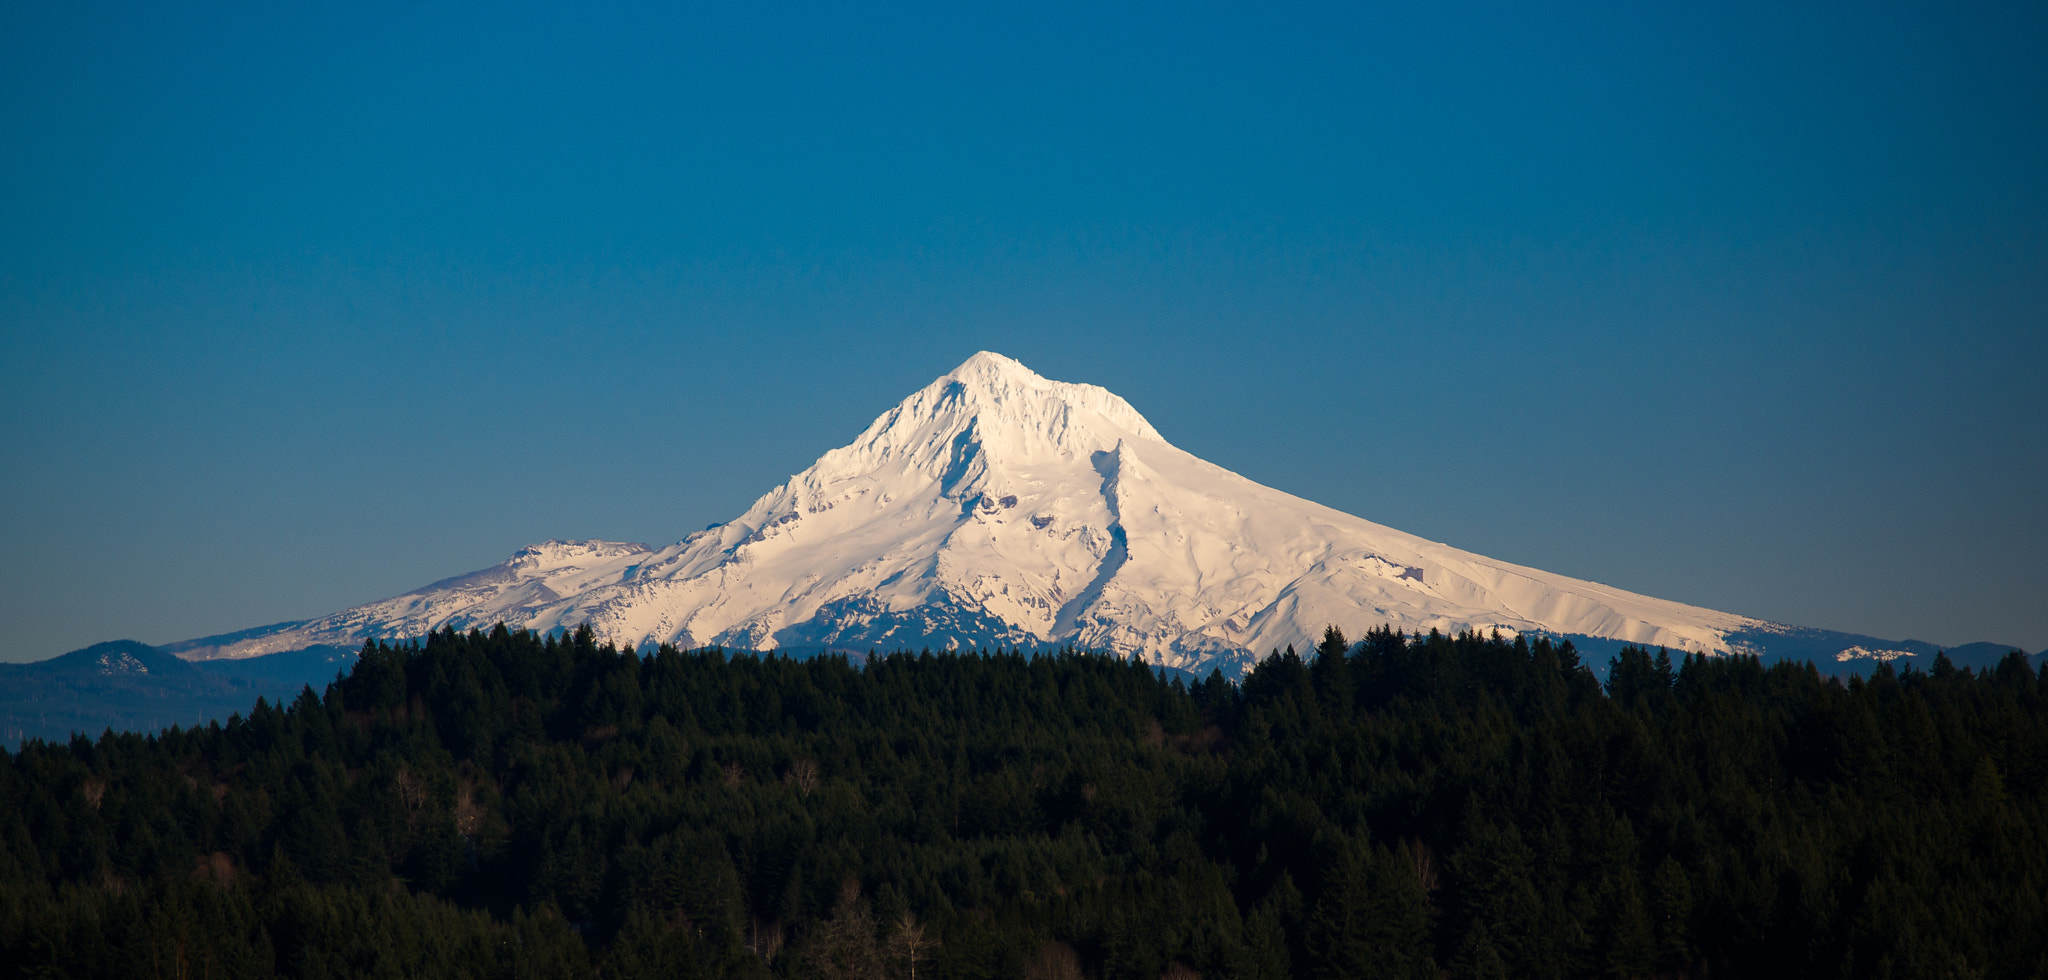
(308, 304)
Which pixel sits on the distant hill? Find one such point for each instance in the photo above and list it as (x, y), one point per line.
(130, 686)
(1834, 654)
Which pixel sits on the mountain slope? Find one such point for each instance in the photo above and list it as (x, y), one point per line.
(996, 507)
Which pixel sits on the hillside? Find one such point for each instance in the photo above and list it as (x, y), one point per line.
(509, 805)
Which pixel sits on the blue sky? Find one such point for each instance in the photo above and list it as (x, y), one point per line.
(304, 305)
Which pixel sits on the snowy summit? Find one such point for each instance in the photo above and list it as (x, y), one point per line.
(997, 507)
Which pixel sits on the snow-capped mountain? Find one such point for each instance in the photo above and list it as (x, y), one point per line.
(996, 507)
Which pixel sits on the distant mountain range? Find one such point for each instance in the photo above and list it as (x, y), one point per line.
(130, 686)
(996, 508)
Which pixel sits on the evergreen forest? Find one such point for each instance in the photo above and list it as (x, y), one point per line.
(509, 805)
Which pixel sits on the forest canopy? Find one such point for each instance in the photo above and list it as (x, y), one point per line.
(505, 805)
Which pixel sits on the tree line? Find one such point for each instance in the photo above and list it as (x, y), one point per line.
(505, 804)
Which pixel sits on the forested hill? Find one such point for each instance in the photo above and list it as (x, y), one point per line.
(506, 805)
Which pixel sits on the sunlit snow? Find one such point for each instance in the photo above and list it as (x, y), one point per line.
(995, 506)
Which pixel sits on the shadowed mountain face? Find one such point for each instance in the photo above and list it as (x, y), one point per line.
(995, 507)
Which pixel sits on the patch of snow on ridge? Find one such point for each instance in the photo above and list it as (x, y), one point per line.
(1864, 653)
(997, 506)
(121, 662)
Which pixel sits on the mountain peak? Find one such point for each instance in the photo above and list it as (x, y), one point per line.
(996, 506)
(988, 367)
(969, 426)
(1008, 398)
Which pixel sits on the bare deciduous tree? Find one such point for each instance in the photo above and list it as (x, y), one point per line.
(802, 774)
(1054, 961)
(764, 939)
(412, 794)
(843, 947)
(1424, 860)
(909, 944)
(469, 817)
